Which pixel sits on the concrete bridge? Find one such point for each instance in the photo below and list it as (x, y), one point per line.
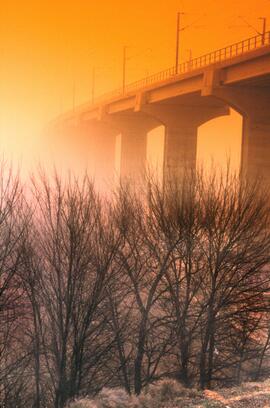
(204, 88)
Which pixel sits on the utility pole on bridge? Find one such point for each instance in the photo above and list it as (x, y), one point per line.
(125, 59)
(93, 84)
(178, 29)
(263, 28)
(124, 67)
(262, 32)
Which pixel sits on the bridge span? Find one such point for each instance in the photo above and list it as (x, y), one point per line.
(236, 76)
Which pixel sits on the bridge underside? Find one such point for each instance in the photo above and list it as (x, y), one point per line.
(182, 104)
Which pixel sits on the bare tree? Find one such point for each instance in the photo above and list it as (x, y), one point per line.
(144, 256)
(170, 281)
(235, 243)
(13, 306)
(75, 245)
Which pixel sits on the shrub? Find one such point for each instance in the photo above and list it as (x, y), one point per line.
(165, 390)
(163, 394)
(213, 404)
(116, 398)
(82, 403)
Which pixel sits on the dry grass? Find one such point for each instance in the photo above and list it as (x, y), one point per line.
(249, 395)
(170, 394)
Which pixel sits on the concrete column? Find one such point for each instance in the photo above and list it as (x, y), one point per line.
(134, 127)
(253, 102)
(133, 152)
(256, 148)
(71, 146)
(101, 144)
(181, 123)
(180, 149)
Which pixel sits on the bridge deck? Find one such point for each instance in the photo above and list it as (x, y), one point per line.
(239, 63)
(222, 55)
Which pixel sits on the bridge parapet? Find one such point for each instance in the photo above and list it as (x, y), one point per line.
(215, 57)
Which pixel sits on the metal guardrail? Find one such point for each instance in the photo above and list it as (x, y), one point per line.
(214, 57)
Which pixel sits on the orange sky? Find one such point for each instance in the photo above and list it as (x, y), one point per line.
(48, 49)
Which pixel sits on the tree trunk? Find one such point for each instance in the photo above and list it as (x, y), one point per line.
(210, 358)
(262, 356)
(37, 362)
(139, 358)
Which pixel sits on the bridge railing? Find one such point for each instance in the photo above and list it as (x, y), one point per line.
(214, 57)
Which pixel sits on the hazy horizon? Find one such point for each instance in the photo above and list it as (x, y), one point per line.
(49, 50)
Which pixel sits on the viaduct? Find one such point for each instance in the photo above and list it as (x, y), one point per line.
(181, 100)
